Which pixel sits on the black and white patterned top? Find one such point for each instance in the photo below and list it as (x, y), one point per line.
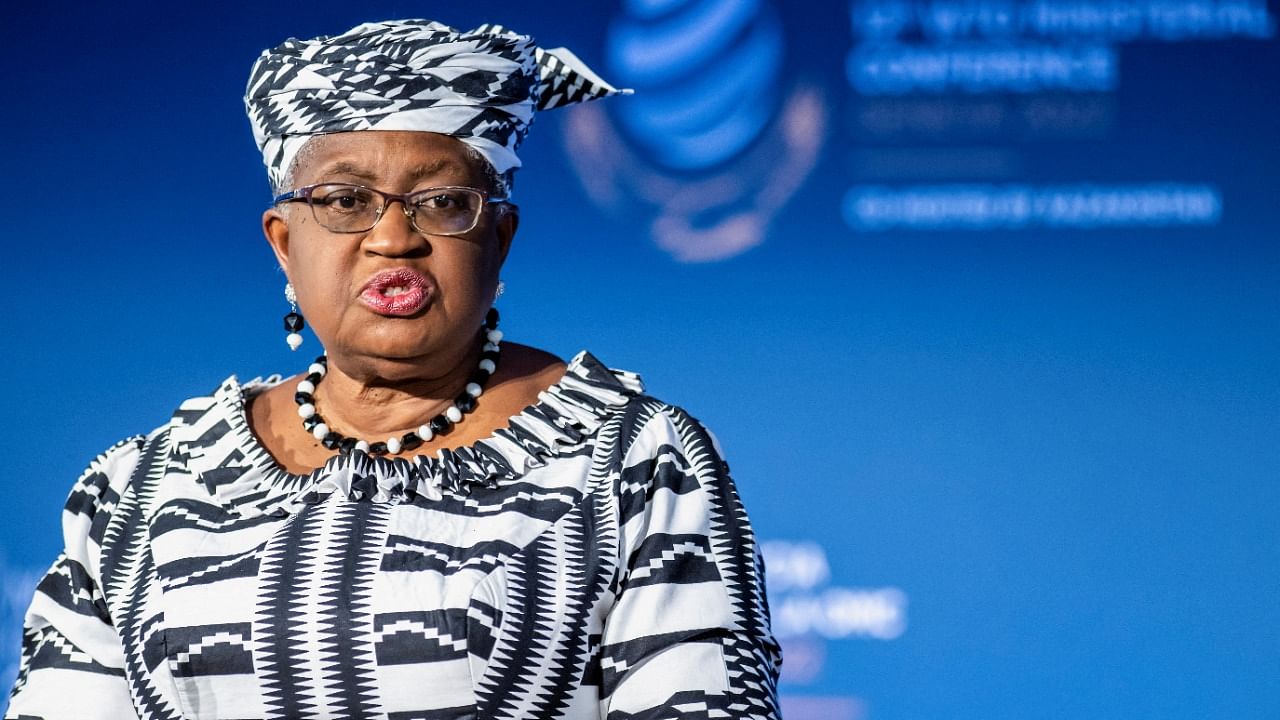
(592, 560)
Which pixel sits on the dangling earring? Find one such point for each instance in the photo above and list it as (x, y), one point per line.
(502, 287)
(293, 321)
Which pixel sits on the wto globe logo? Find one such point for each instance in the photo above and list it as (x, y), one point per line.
(714, 143)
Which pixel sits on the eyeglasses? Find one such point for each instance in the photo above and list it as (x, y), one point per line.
(345, 208)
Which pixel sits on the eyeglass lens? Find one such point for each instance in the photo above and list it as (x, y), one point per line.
(351, 208)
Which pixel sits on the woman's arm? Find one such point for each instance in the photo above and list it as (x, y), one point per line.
(689, 634)
(72, 661)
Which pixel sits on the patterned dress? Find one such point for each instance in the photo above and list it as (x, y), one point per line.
(591, 560)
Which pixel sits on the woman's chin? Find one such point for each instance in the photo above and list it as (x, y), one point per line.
(392, 357)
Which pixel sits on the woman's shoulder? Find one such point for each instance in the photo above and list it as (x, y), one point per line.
(637, 424)
(119, 458)
(195, 423)
(113, 462)
(104, 480)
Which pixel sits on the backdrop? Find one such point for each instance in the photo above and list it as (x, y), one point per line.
(979, 296)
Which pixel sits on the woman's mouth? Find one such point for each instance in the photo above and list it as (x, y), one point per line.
(399, 291)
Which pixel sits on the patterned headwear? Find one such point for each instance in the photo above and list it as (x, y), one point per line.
(481, 86)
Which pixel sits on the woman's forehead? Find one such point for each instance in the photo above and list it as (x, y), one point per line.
(387, 155)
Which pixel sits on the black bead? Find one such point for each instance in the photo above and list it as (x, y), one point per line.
(302, 398)
(465, 403)
(491, 318)
(346, 445)
(311, 422)
(440, 424)
(480, 377)
(489, 355)
(410, 441)
(331, 440)
(293, 322)
(378, 448)
(314, 378)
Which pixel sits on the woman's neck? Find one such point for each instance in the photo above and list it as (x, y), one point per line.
(358, 403)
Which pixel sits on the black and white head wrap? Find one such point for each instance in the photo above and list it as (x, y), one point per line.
(481, 86)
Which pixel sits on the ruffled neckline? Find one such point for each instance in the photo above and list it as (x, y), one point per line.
(564, 417)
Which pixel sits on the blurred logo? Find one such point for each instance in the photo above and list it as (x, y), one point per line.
(804, 604)
(808, 612)
(950, 97)
(715, 141)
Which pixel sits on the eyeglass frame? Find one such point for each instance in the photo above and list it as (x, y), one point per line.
(303, 194)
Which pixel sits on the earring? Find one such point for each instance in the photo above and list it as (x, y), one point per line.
(502, 287)
(293, 321)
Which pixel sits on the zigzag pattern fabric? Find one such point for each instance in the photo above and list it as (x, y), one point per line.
(592, 560)
(481, 86)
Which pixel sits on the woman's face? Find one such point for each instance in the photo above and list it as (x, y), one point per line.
(330, 271)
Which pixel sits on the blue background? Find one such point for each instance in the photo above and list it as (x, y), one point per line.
(1060, 444)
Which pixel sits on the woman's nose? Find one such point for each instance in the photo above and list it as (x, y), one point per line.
(394, 233)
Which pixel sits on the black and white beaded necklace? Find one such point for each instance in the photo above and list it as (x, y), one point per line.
(438, 425)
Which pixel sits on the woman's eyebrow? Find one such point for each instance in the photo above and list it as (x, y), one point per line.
(343, 167)
(346, 167)
(432, 168)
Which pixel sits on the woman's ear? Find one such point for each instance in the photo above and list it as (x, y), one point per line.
(508, 222)
(276, 229)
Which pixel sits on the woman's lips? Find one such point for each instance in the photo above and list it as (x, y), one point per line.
(399, 291)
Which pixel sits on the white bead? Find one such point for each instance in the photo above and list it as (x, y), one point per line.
(487, 365)
(306, 387)
(362, 445)
(474, 389)
(294, 340)
(320, 431)
(491, 347)
(306, 410)
(393, 445)
(454, 414)
(495, 335)
(426, 433)
(316, 368)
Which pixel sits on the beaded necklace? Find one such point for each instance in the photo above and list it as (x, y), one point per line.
(440, 424)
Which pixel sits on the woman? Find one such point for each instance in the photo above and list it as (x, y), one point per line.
(428, 522)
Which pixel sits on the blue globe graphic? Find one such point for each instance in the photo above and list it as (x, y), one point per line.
(705, 74)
